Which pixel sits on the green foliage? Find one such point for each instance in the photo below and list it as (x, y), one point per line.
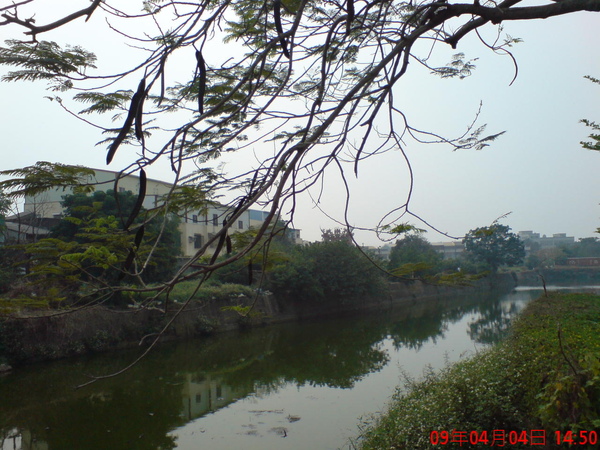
(477, 141)
(237, 272)
(336, 235)
(529, 381)
(572, 400)
(494, 246)
(481, 393)
(269, 251)
(191, 197)
(414, 256)
(96, 221)
(9, 255)
(86, 249)
(324, 272)
(584, 247)
(101, 103)
(545, 257)
(5, 204)
(403, 228)
(458, 67)
(46, 60)
(43, 176)
(563, 330)
(181, 292)
(594, 143)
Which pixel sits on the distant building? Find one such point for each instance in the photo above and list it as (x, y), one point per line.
(533, 241)
(19, 228)
(44, 210)
(382, 252)
(47, 205)
(450, 250)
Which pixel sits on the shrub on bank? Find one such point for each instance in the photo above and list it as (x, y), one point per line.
(334, 271)
(545, 376)
(181, 292)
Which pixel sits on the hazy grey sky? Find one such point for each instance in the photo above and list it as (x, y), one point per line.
(537, 170)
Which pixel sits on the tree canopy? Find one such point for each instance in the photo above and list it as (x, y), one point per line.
(311, 81)
(327, 271)
(495, 246)
(89, 256)
(161, 238)
(415, 255)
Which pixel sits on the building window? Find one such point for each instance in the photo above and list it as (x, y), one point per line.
(195, 218)
(215, 220)
(241, 224)
(197, 240)
(121, 189)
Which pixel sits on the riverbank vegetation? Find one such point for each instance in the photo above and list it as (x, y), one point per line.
(544, 376)
(487, 249)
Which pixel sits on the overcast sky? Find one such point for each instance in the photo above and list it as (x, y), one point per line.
(537, 170)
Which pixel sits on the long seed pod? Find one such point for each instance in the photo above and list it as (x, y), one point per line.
(250, 273)
(139, 201)
(201, 70)
(350, 11)
(219, 245)
(161, 70)
(139, 117)
(279, 28)
(228, 244)
(139, 236)
(127, 264)
(252, 184)
(133, 109)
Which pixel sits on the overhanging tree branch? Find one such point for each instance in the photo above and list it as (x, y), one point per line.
(34, 30)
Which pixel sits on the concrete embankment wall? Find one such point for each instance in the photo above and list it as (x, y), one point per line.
(98, 328)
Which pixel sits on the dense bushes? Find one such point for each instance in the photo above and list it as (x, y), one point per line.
(323, 271)
(184, 290)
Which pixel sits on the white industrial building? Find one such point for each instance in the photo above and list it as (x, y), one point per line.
(42, 211)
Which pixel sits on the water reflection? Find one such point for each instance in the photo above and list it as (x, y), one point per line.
(180, 383)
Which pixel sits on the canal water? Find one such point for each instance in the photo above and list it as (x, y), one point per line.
(299, 386)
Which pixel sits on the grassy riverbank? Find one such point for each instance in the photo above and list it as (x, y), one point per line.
(545, 376)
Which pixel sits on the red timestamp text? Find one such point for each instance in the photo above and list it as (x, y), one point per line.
(581, 437)
(505, 438)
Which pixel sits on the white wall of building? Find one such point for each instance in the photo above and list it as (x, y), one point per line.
(196, 227)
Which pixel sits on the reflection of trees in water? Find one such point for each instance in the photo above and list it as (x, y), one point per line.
(414, 333)
(333, 353)
(494, 317)
(493, 322)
